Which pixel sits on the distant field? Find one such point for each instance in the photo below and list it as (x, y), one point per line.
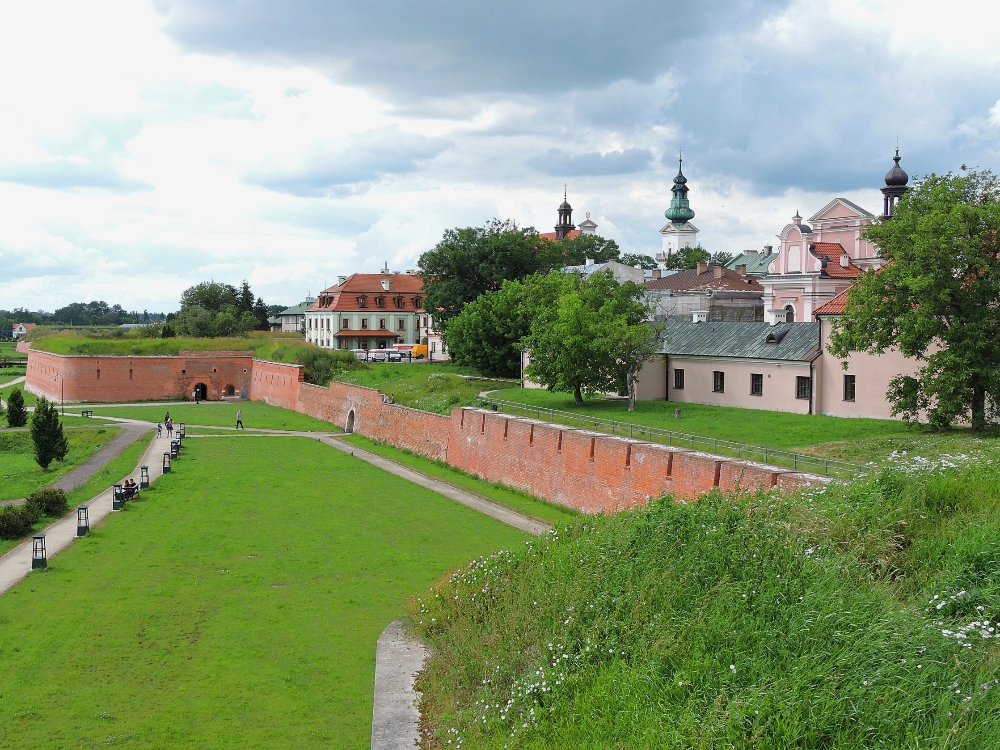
(236, 605)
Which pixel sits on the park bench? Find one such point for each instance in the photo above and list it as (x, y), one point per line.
(86, 412)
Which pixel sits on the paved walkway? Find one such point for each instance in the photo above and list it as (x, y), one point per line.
(399, 656)
(16, 564)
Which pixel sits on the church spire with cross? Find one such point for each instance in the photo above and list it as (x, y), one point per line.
(565, 224)
(679, 232)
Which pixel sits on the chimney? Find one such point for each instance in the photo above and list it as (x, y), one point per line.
(702, 267)
(845, 261)
(719, 271)
(741, 269)
(656, 273)
(341, 280)
(768, 249)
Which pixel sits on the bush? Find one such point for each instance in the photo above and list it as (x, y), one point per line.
(321, 365)
(17, 414)
(48, 501)
(16, 521)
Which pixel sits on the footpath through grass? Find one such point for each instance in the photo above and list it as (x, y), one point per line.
(256, 414)
(436, 388)
(510, 498)
(771, 429)
(20, 475)
(858, 616)
(236, 605)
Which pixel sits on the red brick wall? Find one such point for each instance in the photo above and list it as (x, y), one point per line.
(275, 383)
(592, 471)
(136, 378)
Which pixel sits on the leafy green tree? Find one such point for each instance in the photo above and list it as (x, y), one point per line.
(687, 258)
(195, 321)
(721, 258)
(936, 298)
(210, 296)
(487, 334)
(47, 434)
(576, 250)
(17, 414)
(645, 262)
(471, 261)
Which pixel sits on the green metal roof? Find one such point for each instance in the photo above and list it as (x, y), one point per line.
(756, 263)
(299, 309)
(795, 341)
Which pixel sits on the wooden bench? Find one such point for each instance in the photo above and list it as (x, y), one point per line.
(86, 412)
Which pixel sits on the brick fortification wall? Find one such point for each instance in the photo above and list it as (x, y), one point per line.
(104, 379)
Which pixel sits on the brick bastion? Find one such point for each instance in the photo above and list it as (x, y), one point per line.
(589, 471)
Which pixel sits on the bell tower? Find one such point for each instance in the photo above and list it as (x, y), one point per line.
(895, 186)
(565, 225)
(679, 232)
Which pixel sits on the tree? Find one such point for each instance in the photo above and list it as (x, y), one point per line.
(210, 296)
(47, 434)
(721, 258)
(487, 334)
(575, 251)
(17, 415)
(471, 261)
(687, 258)
(936, 298)
(645, 262)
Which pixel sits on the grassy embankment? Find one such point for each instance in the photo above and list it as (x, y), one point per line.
(237, 604)
(113, 471)
(860, 616)
(431, 387)
(256, 414)
(20, 475)
(522, 502)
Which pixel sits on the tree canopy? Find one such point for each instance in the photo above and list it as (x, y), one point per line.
(646, 262)
(936, 298)
(214, 309)
(687, 258)
(487, 334)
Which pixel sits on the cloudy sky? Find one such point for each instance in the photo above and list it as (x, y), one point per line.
(145, 146)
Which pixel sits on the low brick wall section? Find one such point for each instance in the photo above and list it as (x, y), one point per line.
(111, 378)
(276, 383)
(591, 471)
(23, 346)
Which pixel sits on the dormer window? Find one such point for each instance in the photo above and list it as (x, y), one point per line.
(380, 302)
(399, 302)
(362, 302)
(418, 303)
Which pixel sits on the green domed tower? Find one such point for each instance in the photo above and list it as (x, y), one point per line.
(680, 207)
(679, 231)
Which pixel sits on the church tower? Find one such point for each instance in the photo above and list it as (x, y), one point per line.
(680, 232)
(895, 186)
(565, 225)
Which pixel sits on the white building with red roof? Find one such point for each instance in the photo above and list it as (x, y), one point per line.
(21, 328)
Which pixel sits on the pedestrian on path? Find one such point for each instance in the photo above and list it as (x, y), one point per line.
(166, 417)
(170, 429)
(239, 420)
(159, 429)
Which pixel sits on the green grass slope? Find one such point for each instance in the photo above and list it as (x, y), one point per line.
(20, 475)
(256, 414)
(862, 616)
(236, 605)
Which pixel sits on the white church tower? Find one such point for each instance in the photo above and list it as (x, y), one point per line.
(679, 232)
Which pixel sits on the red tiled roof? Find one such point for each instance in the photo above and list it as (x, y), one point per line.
(27, 326)
(691, 280)
(834, 306)
(368, 287)
(570, 235)
(833, 251)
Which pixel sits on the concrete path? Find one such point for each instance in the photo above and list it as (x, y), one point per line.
(16, 564)
(15, 381)
(399, 656)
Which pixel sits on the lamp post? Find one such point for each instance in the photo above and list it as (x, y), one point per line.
(183, 430)
(174, 448)
(166, 463)
(143, 477)
(82, 520)
(38, 560)
(118, 498)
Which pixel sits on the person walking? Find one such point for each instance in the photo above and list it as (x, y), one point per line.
(239, 420)
(166, 417)
(170, 429)
(159, 429)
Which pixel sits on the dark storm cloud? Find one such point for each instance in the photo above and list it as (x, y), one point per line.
(558, 162)
(453, 46)
(363, 159)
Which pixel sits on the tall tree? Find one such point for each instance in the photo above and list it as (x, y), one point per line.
(687, 258)
(17, 414)
(645, 262)
(47, 434)
(487, 334)
(575, 251)
(936, 298)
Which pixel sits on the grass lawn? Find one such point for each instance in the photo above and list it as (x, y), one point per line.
(218, 414)
(236, 605)
(432, 387)
(514, 499)
(20, 475)
(772, 429)
(29, 398)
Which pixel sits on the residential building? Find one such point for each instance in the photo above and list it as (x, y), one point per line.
(291, 320)
(755, 262)
(21, 328)
(707, 293)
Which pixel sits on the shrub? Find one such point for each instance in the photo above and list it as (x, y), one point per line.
(16, 521)
(17, 414)
(47, 434)
(49, 501)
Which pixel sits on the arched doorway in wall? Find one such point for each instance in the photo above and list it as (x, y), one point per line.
(349, 427)
(789, 314)
(200, 392)
(230, 390)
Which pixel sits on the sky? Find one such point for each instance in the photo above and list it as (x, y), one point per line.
(147, 146)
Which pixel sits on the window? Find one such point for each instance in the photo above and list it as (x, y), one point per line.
(425, 321)
(719, 381)
(380, 302)
(401, 325)
(364, 324)
(130, 373)
(678, 379)
(98, 374)
(340, 344)
(756, 384)
(381, 324)
(803, 387)
(345, 324)
(399, 302)
(418, 303)
(362, 302)
(849, 388)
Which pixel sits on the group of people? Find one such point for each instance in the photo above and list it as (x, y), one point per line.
(168, 423)
(130, 487)
(388, 399)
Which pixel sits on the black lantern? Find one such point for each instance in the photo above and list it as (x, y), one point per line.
(166, 463)
(82, 520)
(182, 432)
(118, 498)
(143, 477)
(38, 561)
(174, 448)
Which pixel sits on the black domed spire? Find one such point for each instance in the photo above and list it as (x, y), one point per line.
(565, 224)
(895, 186)
(896, 177)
